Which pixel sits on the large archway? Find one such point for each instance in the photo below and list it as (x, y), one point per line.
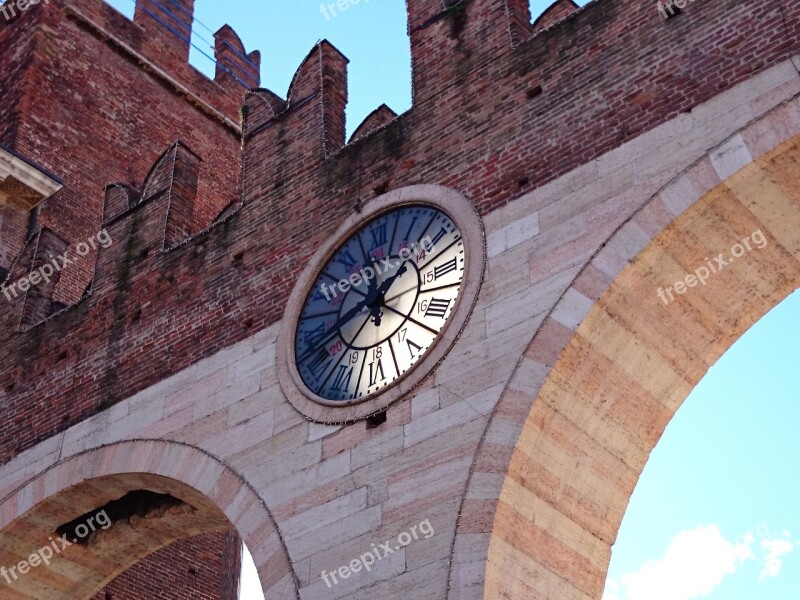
(90, 517)
(616, 358)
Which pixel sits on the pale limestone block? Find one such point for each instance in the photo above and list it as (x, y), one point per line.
(485, 401)
(238, 390)
(504, 431)
(460, 592)
(679, 195)
(422, 551)
(525, 305)
(609, 262)
(264, 337)
(134, 423)
(239, 504)
(648, 142)
(471, 547)
(773, 98)
(288, 417)
(513, 234)
(205, 475)
(283, 588)
(224, 358)
(424, 403)
(262, 401)
(731, 157)
(496, 243)
(768, 133)
(467, 574)
(388, 567)
(304, 482)
(425, 583)
(583, 199)
(485, 486)
(572, 309)
(263, 467)
(207, 385)
(332, 535)
(505, 275)
(463, 375)
(317, 431)
(325, 514)
(628, 241)
(408, 494)
(437, 422)
(553, 191)
(240, 437)
(378, 448)
(252, 364)
(529, 376)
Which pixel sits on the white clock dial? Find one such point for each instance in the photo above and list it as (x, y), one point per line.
(379, 303)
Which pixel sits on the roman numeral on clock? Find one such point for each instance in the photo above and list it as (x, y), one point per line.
(446, 268)
(343, 377)
(378, 234)
(374, 371)
(411, 347)
(439, 236)
(310, 337)
(320, 363)
(437, 308)
(346, 260)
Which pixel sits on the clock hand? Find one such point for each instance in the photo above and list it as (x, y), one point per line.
(384, 287)
(345, 318)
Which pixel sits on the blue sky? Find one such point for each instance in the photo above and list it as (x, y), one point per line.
(710, 516)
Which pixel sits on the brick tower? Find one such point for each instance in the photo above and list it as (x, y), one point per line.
(162, 377)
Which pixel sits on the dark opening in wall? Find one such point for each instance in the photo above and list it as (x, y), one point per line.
(376, 420)
(139, 503)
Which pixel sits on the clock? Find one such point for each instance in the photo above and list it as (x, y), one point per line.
(379, 303)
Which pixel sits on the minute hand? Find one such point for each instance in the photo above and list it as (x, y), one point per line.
(384, 287)
(345, 318)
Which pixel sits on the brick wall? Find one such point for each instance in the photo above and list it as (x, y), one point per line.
(620, 71)
(186, 570)
(525, 117)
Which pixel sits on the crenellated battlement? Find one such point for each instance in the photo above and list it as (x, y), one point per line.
(211, 233)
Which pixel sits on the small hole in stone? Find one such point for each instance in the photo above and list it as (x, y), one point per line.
(533, 92)
(238, 257)
(376, 420)
(381, 189)
(523, 182)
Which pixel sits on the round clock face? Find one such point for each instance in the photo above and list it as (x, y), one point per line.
(379, 303)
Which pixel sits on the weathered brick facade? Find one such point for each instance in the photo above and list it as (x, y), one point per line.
(565, 138)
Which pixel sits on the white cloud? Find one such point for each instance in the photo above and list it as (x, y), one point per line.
(775, 549)
(697, 561)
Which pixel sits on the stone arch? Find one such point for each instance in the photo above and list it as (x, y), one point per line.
(213, 497)
(612, 363)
